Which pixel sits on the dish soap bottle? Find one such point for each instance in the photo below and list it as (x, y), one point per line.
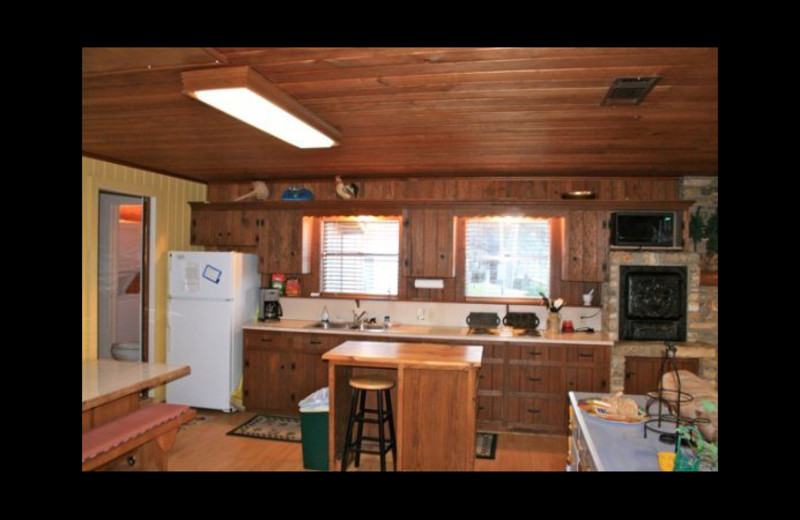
(325, 314)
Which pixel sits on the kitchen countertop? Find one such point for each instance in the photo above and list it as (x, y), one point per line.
(397, 354)
(105, 380)
(436, 333)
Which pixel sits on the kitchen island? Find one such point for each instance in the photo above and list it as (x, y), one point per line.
(435, 415)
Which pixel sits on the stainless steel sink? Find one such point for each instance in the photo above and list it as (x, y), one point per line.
(371, 327)
(331, 325)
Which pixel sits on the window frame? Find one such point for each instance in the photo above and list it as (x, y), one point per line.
(556, 240)
(318, 234)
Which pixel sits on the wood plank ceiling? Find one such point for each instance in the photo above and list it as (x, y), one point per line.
(412, 112)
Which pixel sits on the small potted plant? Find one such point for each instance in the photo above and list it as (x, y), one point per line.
(701, 230)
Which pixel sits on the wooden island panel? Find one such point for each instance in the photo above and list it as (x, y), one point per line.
(435, 408)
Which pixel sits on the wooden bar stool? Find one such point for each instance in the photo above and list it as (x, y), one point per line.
(360, 386)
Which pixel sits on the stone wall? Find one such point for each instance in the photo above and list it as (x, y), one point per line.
(703, 304)
(701, 336)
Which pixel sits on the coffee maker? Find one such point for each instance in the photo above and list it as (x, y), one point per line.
(271, 309)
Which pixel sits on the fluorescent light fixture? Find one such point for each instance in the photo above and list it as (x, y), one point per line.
(242, 93)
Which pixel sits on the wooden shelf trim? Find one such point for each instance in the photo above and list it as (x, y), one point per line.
(348, 207)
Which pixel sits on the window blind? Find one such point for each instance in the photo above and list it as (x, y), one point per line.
(507, 257)
(360, 257)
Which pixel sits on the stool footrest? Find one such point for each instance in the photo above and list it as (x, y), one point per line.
(361, 418)
(386, 448)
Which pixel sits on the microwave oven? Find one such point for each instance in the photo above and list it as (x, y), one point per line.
(645, 229)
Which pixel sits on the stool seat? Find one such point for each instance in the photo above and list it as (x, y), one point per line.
(371, 383)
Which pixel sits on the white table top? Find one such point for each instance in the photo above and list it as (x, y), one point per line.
(620, 447)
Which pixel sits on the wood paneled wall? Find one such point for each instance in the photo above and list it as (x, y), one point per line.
(173, 215)
(466, 189)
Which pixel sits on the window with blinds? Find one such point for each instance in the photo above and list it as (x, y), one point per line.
(507, 257)
(360, 255)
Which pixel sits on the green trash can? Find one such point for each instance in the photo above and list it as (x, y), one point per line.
(314, 430)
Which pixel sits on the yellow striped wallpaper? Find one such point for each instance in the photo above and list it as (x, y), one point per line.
(170, 196)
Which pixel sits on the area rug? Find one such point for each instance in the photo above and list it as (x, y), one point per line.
(485, 445)
(272, 427)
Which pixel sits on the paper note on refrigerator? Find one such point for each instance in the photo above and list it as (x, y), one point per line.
(191, 277)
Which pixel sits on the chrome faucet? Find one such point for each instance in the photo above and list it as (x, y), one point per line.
(357, 318)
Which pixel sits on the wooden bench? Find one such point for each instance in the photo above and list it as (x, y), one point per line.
(145, 434)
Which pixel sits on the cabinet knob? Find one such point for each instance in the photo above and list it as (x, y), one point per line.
(442, 256)
(602, 383)
(534, 379)
(584, 354)
(292, 369)
(533, 410)
(534, 353)
(132, 460)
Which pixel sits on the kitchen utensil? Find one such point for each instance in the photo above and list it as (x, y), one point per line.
(521, 320)
(483, 320)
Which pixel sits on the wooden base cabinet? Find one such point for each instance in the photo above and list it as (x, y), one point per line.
(281, 369)
(531, 393)
(520, 386)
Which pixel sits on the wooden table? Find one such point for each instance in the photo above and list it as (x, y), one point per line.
(111, 388)
(434, 401)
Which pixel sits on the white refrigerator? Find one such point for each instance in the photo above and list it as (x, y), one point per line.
(211, 296)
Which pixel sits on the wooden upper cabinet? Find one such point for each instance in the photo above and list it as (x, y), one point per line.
(283, 242)
(223, 228)
(585, 246)
(429, 243)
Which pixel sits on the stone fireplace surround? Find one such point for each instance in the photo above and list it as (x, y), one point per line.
(698, 324)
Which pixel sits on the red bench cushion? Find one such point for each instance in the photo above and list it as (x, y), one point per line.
(110, 435)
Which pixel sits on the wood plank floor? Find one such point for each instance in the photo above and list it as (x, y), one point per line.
(204, 446)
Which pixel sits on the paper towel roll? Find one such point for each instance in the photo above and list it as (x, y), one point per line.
(422, 283)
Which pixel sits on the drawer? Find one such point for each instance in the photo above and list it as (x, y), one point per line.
(538, 354)
(585, 355)
(313, 343)
(260, 340)
(535, 379)
(537, 413)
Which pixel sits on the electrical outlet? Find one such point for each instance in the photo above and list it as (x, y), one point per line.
(421, 314)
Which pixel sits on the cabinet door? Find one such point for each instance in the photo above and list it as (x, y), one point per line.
(281, 242)
(429, 243)
(308, 373)
(265, 379)
(243, 228)
(201, 232)
(490, 409)
(587, 368)
(642, 373)
(585, 246)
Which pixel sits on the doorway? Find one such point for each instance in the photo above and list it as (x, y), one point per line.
(122, 285)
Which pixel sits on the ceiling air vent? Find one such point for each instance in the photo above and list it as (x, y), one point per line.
(629, 91)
